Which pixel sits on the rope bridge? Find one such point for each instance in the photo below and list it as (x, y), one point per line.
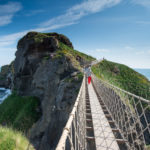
(105, 117)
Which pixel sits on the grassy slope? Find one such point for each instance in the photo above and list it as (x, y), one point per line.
(13, 140)
(123, 77)
(68, 50)
(19, 113)
(73, 54)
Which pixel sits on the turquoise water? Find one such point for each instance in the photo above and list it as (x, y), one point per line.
(145, 72)
(4, 93)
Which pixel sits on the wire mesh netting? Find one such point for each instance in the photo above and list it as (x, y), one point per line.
(74, 133)
(130, 113)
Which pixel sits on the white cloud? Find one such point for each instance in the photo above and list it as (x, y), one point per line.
(145, 3)
(12, 38)
(34, 12)
(129, 48)
(83, 9)
(5, 20)
(143, 52)
(102, 50)
(7, 12)
(140, 52)
(10, 8)
(71, 16)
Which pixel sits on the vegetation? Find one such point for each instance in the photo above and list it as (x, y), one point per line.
(148, 147)
(123, 77)
(19, 113)
(4, 71)
(13, 140)
(65, 47)
(38, 37)
(77, 78)
(77, 58)
(67, 50)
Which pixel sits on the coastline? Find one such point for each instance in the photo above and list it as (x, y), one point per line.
(4, 93)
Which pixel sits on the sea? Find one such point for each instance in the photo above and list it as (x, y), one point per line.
(145, 72)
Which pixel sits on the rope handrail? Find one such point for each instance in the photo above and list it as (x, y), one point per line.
(131, 94)
(131, 113)
(74, 132)
(138, 96)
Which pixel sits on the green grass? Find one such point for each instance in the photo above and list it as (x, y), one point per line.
(36, 36)
(73, 55)
(19, 112)
(123, 77)
(77, 78)
(147, 147)
(68, 50)
(13, 140)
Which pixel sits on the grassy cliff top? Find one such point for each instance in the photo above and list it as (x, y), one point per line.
(66, 50)
(39, 37)
(55, 43)
(123, 77)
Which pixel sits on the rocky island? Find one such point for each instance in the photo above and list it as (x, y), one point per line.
(47, 68)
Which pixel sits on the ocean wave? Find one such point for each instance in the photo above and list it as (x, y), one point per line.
(4, 93)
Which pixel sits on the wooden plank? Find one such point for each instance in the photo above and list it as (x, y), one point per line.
(104, 137)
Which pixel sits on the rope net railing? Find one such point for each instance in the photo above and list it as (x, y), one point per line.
(130, 113)
(142, 90)
(74, 133)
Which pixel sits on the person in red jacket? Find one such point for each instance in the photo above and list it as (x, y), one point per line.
(89, 79)
(88, 73)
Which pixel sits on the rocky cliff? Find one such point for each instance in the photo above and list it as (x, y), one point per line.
(6, 75)
(46, 66)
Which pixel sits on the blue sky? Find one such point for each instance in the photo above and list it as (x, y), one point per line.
(118, 30)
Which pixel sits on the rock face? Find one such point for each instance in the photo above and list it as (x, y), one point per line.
(6, 75)
(54, 79)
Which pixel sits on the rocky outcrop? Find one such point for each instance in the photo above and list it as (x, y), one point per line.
(43, 70)
(61, 38)
(6, 76)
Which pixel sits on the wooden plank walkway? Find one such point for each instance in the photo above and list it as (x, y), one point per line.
(104, 137)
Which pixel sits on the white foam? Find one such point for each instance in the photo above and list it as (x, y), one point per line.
(7, 93)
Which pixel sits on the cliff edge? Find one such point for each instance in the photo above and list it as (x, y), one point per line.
(47, 66)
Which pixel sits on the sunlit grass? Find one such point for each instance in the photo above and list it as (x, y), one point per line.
(123, 77)
(19, 112)
(13, 140)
